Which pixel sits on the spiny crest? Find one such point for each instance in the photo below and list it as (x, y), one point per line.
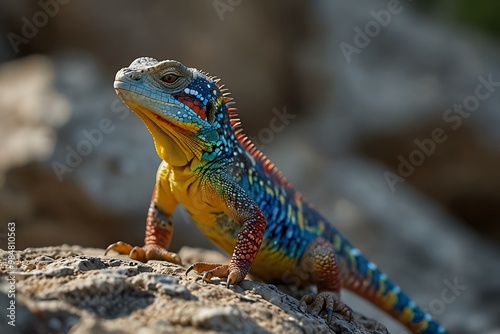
(242, 137)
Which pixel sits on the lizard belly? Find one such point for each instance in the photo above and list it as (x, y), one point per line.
(219, 228)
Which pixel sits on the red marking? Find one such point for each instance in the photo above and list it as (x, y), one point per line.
(157, 235)
(247, 247)
(193, 105)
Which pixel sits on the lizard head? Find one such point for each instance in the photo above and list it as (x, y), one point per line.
(185, 110)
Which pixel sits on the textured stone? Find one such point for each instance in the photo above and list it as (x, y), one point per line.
(81, 292)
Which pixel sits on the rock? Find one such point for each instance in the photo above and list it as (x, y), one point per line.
(74, 290)
(32, 110)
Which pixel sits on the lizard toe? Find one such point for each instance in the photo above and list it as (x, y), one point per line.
(328, 301)
(119, 247)
(209, 270)
(144, 253)
(234, 277)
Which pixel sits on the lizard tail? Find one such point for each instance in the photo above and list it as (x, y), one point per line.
(366, 280)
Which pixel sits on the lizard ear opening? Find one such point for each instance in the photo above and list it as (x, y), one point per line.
(210, 112)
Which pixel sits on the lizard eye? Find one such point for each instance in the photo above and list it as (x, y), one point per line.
(170, 77)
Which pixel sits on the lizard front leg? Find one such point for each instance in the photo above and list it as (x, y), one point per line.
(243, 209)
(159, 225)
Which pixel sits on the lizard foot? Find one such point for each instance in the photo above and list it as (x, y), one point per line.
(144, 253)
(209, 270)
(329, 301)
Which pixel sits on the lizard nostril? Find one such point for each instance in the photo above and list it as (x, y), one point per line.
(134, 75)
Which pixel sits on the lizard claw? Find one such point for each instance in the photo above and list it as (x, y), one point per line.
(329, 301)
(191, 267)
(234, 277)
(306, 300)
(120, 247)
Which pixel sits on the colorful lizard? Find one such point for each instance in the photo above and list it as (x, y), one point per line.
(240, 200)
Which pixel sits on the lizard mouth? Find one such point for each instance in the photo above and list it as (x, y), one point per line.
(138, 103)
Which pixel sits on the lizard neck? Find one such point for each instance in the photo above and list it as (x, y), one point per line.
(171, 152)
(174, 145)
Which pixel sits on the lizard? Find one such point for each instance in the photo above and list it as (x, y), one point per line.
(240, 200)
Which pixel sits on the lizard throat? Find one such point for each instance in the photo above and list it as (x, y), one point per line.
(174, 143)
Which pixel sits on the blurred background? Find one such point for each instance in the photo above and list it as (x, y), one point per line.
(388, 117)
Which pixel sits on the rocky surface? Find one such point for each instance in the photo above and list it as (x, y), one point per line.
(70, 289)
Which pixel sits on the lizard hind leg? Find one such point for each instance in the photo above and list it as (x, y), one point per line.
(320, 262)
